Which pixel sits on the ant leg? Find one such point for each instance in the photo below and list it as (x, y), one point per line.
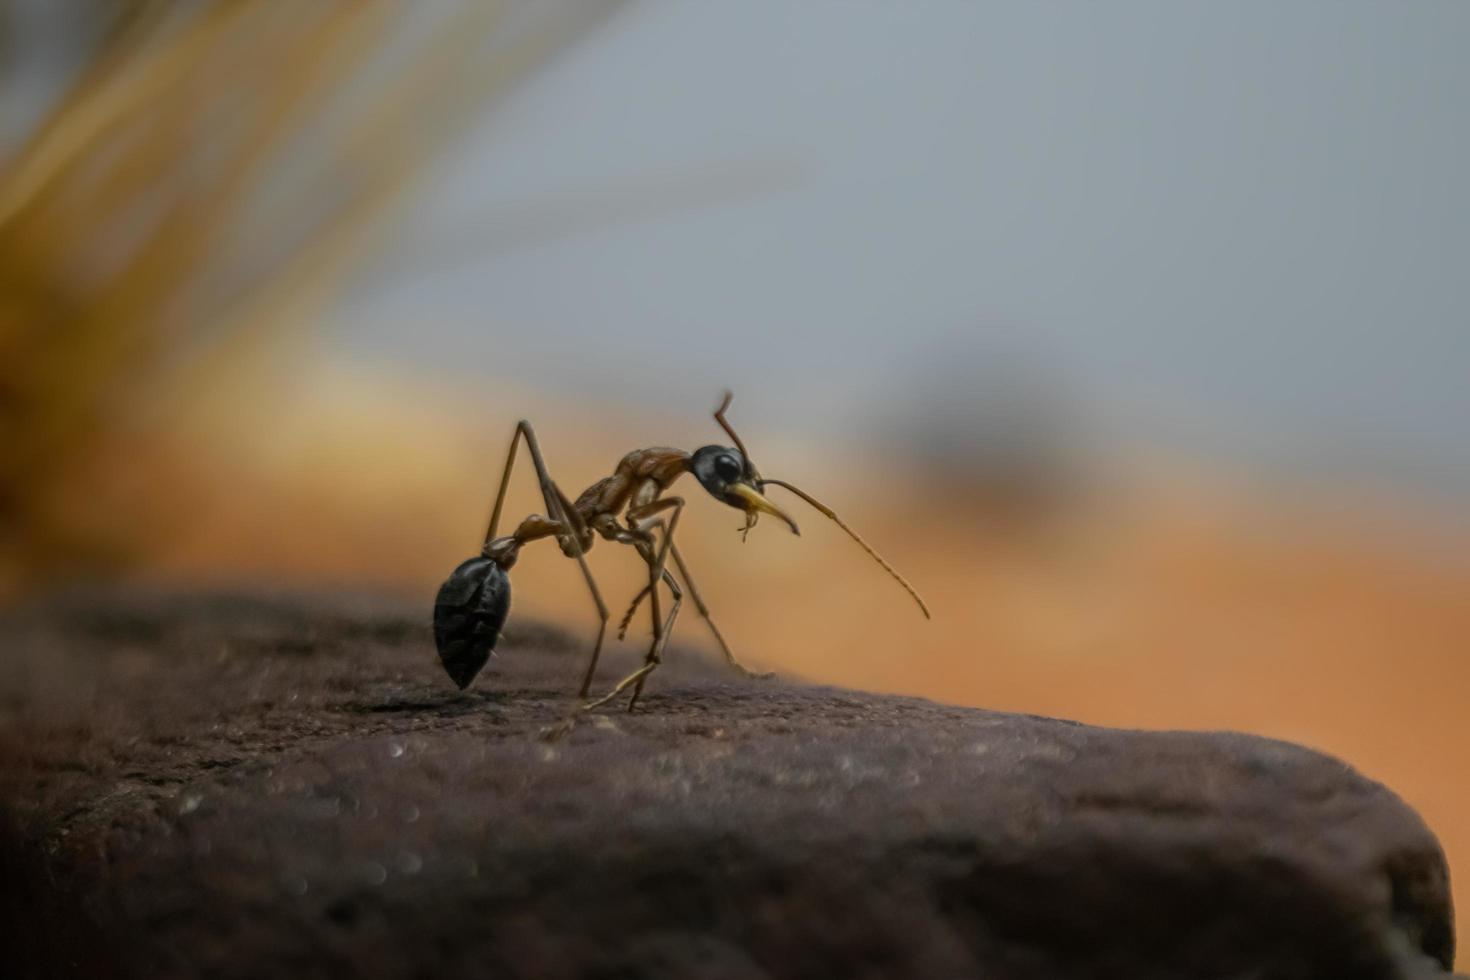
(632, 608)
(523, 430)
(678, 595)
(621, 686)
(651, 662)
(578, 535)
(703, 612)
(709, 620)
(657, 570)
(561, 510)
(653, 609)
(643, 593)
(643, 541)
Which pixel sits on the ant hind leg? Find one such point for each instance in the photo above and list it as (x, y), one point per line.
(561, 510)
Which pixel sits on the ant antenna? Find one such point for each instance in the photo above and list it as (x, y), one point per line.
(750, 470)
(828, 512)
(755, 478)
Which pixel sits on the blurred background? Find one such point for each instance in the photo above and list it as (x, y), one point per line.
(1135, 335)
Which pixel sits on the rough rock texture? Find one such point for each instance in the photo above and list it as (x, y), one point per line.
(277, 786)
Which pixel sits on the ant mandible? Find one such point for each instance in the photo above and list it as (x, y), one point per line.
(472, 604)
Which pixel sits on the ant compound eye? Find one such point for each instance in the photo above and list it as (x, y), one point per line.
(728, 468)
(717, 467)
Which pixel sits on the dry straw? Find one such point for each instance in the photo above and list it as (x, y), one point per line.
(210, 176)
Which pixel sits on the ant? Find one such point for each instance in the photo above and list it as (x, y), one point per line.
(472, 604)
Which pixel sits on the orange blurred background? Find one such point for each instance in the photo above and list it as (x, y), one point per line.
(191, 190)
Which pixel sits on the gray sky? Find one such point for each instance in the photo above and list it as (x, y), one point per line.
(1239, 226)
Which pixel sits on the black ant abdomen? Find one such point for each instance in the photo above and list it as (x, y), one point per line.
(469, 612)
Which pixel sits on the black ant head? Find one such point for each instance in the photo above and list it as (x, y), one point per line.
(732, 479)
(717, 467)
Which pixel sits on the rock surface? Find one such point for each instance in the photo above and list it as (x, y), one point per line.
(285, 786)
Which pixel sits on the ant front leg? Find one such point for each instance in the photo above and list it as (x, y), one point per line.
(627, 619)
(704, 614)
(658, 571)
(678, 595)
